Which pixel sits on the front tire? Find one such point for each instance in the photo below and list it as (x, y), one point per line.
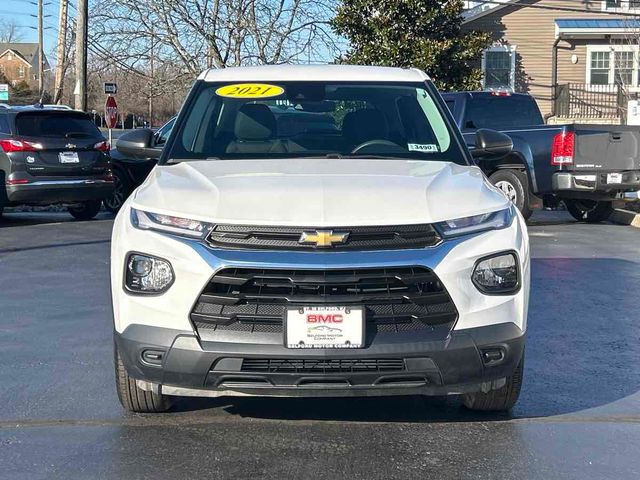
(133, 398)
(589, 211)
(85, 210)
(500, 400)
(515, 185)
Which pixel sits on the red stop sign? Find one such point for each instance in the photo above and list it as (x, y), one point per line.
(111, 112)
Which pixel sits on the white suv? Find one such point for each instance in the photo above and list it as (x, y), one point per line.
(318, 231)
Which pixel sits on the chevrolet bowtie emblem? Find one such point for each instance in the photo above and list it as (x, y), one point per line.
(323, 238)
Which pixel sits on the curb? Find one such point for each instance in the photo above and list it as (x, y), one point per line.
(625, 217)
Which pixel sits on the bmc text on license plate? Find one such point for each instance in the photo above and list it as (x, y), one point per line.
(68, 157)
(614, 178)
(324, 327)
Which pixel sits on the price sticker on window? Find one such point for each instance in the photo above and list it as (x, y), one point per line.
(250, 90)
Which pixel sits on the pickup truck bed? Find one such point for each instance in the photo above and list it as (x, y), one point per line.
(586, 166)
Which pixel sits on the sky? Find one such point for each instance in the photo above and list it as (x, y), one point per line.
(21, 11)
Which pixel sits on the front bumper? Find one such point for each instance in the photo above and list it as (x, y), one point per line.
(59, 190)
(178, 363)
(595, 184)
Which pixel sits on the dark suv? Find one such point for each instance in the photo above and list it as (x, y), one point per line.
(53, 156)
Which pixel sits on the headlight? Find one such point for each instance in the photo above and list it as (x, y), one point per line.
(168, 224)
(476, 223)
(497, 274)
(147, 274)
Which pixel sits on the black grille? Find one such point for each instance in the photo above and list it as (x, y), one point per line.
(256, 300)
(276, 365)
(359, 238)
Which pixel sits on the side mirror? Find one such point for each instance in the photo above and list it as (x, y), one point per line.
(491, 144)
(138, 143)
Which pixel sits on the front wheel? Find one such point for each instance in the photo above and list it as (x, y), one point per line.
(133, 398)
(515, 186)
(85, 210)
(590, 211)
(501, 399)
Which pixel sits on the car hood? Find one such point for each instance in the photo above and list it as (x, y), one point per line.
(318, 192)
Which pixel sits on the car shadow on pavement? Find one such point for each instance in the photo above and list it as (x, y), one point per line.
(582, 352)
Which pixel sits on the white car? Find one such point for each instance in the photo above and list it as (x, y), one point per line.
(291, 197)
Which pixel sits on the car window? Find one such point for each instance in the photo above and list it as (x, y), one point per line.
(500, 112)
(4, 124)
(163, 134)
(56, 124)
(451, 104)
(298, 119)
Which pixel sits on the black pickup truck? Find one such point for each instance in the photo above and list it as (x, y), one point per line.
(589, 167)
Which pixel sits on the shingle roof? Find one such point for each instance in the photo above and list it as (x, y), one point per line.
(28, 51)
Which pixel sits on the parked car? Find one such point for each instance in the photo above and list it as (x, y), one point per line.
(377, 224)
(586, 166)
(131, 165)
(52, 156)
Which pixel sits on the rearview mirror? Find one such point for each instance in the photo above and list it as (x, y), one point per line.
(491, 144)
(138, 143)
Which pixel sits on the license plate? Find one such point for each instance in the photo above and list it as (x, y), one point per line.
(614, 178)
(324, 327)
(68, 157)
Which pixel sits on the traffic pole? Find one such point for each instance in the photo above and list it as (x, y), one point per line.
(81, 55)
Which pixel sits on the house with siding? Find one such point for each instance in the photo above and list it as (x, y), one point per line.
(578, 58)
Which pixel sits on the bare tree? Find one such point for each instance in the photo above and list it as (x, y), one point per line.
(198, 34)
(10, 31)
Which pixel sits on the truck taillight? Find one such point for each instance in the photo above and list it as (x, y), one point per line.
(102, 146)
(19, 146)
(562, 149)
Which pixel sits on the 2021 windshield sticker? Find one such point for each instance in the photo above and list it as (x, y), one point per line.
(249, 90)
(422, 147)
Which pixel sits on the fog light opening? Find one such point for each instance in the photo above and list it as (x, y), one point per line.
(147, 275)
(497, 275)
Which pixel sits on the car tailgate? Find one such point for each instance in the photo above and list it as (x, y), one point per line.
(65, 142)
(607, 148)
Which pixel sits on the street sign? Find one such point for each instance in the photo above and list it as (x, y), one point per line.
(111, 112)
(4, 92)
(110, 88)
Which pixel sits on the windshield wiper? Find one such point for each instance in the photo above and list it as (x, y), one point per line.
(366, 156)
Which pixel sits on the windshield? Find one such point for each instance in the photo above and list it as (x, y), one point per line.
(313, 119)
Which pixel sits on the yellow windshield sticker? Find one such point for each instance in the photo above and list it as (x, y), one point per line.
(249, 90)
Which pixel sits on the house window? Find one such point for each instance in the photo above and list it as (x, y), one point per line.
(623, 68)
(21, 71)
(498, 67)
(600, 66)
(620, 5)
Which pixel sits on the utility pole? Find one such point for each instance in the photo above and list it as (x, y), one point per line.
(152, 78)
(61, 52)
(40, 50)
(81, 55)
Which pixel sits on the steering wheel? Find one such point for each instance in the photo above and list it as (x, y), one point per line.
(391, 147)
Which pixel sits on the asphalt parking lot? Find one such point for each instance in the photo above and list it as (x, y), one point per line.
(578, 415)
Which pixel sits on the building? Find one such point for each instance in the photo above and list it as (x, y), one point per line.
(19, 62)
(578, 58)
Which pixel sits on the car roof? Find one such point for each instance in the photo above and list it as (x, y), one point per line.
(485, 93)
(318, 73)
(38, 108)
